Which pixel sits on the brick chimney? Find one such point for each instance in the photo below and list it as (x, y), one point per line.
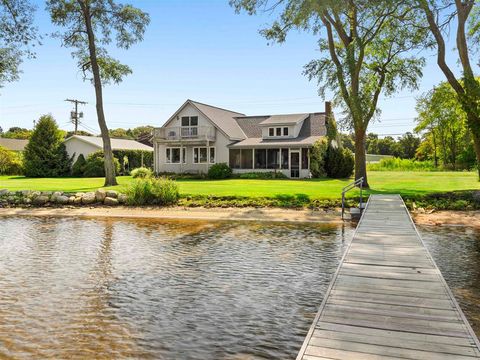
(328, 109)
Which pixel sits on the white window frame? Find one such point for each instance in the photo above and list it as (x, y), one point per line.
(288, 131)
(171, 148)
(273, 131)
(208, 155)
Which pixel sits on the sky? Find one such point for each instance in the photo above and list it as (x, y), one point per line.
(200, 50)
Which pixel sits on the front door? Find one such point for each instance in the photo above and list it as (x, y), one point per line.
(295, 164)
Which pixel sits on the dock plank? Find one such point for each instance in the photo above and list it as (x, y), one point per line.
(387, 299)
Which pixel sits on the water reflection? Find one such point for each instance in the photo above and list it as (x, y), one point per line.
(161, 289)
(456, 251)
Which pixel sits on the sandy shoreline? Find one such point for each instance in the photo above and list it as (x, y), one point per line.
(257, 214)
(437, 218)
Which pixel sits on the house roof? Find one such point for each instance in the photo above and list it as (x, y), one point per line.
(117, 144)
(13, 144)
(313, 128)
(284, 119)
(259, 142)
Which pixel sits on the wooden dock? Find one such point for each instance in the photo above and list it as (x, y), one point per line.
(387, 299)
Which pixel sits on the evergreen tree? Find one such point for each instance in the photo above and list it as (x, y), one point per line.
(45, 154)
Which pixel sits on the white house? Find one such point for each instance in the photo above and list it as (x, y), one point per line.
(86, 145)
(198, 135)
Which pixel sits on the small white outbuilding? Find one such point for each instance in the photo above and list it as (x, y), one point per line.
(86, 145)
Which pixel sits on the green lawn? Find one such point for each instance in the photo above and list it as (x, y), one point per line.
(405, 183)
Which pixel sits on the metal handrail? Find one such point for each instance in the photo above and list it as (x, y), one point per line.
(352, 185)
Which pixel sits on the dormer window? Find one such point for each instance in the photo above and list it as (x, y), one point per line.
(271, 132)
(279, 131)
(285, 131)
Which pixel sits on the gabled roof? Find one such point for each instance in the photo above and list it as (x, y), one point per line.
(117, 144)
(223, 119)
(284, 119)
(13, 144)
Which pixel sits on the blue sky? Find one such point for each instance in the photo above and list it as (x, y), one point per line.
(200, 50)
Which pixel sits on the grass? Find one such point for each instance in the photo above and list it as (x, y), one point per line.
(405, 183)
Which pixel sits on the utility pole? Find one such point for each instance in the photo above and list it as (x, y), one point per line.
(75, 115)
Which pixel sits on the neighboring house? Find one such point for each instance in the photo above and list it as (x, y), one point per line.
(86, 145)
(199, 135)
(13, 144)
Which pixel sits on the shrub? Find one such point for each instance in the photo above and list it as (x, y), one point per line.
(132, 159)
(317, 158)
(396, 164)
(141, 172)
(79, 167)
(263, 175)
(339, 162)
(219, 171)
(10, 162)
(150, 191)
(45, 154)
(95, 167)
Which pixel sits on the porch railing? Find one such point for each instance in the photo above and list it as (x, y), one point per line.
(185, 133)
(352, 185)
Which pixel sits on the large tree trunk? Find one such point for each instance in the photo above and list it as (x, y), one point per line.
(110, 178)
(360, 157)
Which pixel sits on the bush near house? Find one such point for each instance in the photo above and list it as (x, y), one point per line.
(219, 171)
(95, 165)
(263, 175)
(132, 159)
(151, 191)
(317, 158)
(45, 154)
(78, 167)
(339, 162)
(10, 162)
(141, 172)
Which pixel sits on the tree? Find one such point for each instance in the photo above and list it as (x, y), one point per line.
(120, 134)
(17, 37)
(90, 25)
(465, 15)
(45, 154)
(17, 133)
(407, 146)
(443, 124)
(366, 50)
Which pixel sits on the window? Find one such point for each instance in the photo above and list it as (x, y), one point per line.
(200, 155)
(260, 158)
(279, 131)
(234, 158)
(285, 131)
(172, 155)
(305, 154)
(247, 158)
(212, 155)
(271, 132)
(189, 120)
(272, 158)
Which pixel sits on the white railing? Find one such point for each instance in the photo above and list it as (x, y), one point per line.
(185, 133)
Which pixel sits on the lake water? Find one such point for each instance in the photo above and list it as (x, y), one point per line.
(72, 288)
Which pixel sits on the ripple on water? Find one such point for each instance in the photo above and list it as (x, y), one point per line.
(161, 289)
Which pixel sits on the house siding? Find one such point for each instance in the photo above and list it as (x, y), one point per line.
(75, 147)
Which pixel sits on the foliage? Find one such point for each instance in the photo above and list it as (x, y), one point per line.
(17, 37)
(396, 164)
(10, 162)
(17, 133)
(79, 132)
(219, 171)
(317, 158)
(142, 134)
(151, 191)
(45, 154)
(95, 165)
(131, 159)
(465, 18)
(443, 124)
(78, 167)
(263, 175)
(407, 146)
(339, 162)
(141, 172)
